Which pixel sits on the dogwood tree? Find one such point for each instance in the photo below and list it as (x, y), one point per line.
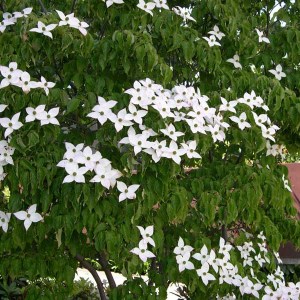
(148, 135)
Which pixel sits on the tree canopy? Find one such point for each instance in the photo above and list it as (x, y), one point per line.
(172, 116)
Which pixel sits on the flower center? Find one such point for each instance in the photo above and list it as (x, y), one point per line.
(101, 113)
(74, 173)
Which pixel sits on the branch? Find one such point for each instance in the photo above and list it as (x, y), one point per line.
(73, 6)
(224, 233)
(104, 264)
(43, 6)
(94, 273)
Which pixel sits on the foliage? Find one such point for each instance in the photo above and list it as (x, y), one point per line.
(235, 186)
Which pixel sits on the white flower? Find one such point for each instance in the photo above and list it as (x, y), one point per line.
(120, 120)
(235, 61)
(106, 175)
(46, 85)
(268, 133)
(29, 216)
(44, 29)
(127, 192)
(184, 12)
(228, 106)
(11, 124)
(212, 41)
(50, 117)
(25, 83)
(278, 73)
(147, 7)
(75, 173)
(67, 19)
(146, 234)
(142, 251)
(102, 111)
(203, 256)
(181, 249)
(217, 133)
(286, 183)
(183, 262)
(135, 115)
(174, 152)
(216, 32)
(81, 26)
(161, 4)
(4, 220)
(171, 132)
(24, 13)
(203, 273)
(11, 74)
(4, 23)
(111, 2)
(261, 38)
(224, 248)
(241, 121)
(190, 147)
(2, 107)
(37, 113)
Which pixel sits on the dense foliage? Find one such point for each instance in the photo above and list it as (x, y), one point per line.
(235, 189)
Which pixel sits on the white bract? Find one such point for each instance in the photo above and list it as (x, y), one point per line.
(146, 6)
(4, 220)
(11, 124)
(212, 41)
(127, 192)
(37, 113)
(146, 234)
(217, 33)
(111, 2)
(142, 251)
(44, 29)
(261, 37)
(29, 216)
(184, 262)
(278, 73)
(50, 117)
(235, 61)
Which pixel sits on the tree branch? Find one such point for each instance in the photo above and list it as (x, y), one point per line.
(43, 6)
(73, 6)
(94, 273)
(104, 264)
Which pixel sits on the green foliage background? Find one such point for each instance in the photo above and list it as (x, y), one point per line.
(125, 44)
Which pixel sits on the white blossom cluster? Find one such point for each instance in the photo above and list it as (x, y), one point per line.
(149, 6)
(9, 19)
(29, 216)
(69, 20)
(142, 250)
(6, 153)
(78, 160)
(181, 104)
(215, 35)
(16, 77)
(216, 265)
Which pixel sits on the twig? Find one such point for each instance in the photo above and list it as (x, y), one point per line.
(95, 275)
(43, 6)
(104, 264)
(3, 5)
(73, 6)
(224, 233)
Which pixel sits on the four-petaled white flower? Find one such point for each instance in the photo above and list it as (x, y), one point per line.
(142, 251)
(111, 2)
(37, 113)
(235, 61)
(146, 234)
(147, 7)
(4, 220)
(203, 255)
(261, 37)
(11, 124)
(75, 173)
(66, 19)
(278, 73)
(127, 192)
(241, 121)
(50, 117)
(212, 41)
(190, 149)
(29, 216)
(216, 32)
(184, 262)
(171, 132)
(203, 272)
(46, 85)
(24, 13)
(181, 249)
(44, 29)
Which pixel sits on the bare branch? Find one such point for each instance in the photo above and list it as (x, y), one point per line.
(43, 6)
(104, 264)
(95, 275)
(73, 6)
